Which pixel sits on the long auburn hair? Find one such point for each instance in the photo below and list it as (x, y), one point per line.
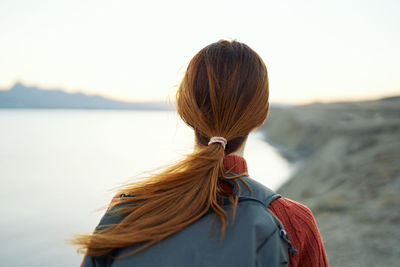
(224, 93)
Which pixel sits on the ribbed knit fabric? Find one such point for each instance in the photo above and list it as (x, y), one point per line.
(297, 220)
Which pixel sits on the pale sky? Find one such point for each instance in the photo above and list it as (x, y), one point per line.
(138, 50)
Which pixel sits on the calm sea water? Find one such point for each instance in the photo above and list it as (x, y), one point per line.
(57, 168)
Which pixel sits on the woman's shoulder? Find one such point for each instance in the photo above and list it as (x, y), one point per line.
(296, 217)
(299, 222)
(290, 207)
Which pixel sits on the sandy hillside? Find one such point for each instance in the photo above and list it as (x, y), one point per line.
(348, 175)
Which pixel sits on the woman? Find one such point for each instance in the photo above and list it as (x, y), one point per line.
(205, 210)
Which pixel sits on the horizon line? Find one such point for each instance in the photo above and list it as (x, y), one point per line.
(167, 98)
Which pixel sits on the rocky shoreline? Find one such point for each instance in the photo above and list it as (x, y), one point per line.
(348, 174)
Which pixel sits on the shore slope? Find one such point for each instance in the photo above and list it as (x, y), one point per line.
(348, 157)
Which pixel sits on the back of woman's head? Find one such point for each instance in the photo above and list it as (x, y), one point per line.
(223, 93)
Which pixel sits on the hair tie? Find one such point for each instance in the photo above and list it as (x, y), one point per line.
(218, 139)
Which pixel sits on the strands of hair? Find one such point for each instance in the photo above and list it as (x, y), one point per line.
(224, 93)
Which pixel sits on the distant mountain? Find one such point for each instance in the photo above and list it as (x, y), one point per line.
(390, 98)
(20, 96)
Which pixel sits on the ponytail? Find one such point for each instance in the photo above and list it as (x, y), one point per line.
(169, 201)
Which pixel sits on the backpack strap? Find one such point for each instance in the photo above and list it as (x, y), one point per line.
(256, 190)
(265, 196)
